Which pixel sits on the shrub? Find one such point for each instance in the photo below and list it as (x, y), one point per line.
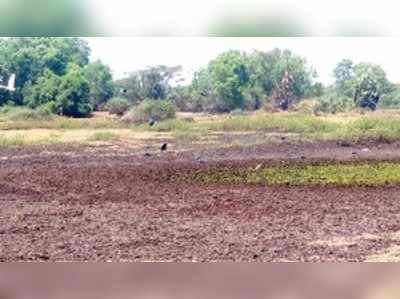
(117, 106)
(151, 109)
(25, 113)
(333, 104)
(67, 95)
(307, 106)
(391, 100)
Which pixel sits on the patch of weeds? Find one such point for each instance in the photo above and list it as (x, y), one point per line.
(104, 136)
(12, 141)
(373, 174)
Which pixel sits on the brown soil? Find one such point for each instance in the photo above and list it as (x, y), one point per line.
(75, 203)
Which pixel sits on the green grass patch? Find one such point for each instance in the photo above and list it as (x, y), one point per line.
(12, 141)
(371, 174)
(23, 140)
(104, 136)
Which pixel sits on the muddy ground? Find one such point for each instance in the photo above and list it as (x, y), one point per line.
(110, 203)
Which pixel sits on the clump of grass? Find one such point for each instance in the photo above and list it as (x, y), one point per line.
(104, 136)
(23, 140)
(58, 122)
(12, 141)
(21, 114)
(371, 174)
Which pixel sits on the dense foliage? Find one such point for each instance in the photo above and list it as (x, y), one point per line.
(117, 106)
(150, 83)
(365, 83)
(100, 83)
(54, 71)
(55, 74)
(150, 110)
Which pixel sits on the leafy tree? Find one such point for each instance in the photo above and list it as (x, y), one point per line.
(224, 81)
(66, 95)
(46, 90)
(30, 57)
(344, 73)
(392, 99)
(101, 83)
(268, 70)
(151, 83)
(366, 83)
(72, 99)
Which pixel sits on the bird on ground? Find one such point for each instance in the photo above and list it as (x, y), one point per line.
(151, 122)
(164, 147)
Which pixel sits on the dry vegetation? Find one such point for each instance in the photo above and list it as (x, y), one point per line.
(190, 127)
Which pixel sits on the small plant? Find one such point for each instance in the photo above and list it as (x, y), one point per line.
(156, 110)
(117, 106)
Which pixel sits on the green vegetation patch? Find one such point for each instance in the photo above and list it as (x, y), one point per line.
(105, 136)
(371, 174)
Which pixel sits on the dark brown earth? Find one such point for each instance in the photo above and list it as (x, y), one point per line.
(75, 203)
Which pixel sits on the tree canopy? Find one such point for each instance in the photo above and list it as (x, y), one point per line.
(366, 83)
(150, 83)
(44, 68)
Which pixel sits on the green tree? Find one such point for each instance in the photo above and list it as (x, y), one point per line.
(73, 98)
(224, 81)
(151, 83)
(45, 91)
(65, 95)
(343, 74)
(370, 84)
(30, 57)
(101, 84)
(268, 70)
(365, 83)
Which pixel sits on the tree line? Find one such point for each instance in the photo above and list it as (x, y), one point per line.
(56, 74)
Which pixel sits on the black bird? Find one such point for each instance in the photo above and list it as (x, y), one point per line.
(164, 147)
(151, 122)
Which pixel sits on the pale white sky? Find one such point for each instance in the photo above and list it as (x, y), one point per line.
(125, 54)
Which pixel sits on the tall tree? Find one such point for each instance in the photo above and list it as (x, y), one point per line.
(343, 74)
(224, 81)
(150, 83)
(269, 68)
(101, 83)
(365, 83)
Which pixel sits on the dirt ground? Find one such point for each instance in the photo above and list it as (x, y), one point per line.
(111, 203)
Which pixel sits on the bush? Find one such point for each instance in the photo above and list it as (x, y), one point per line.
(25, 114)
(333, 104)
(151, 109)
(307, 106)
(66, 95)
(391, 100)
(117, 106)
